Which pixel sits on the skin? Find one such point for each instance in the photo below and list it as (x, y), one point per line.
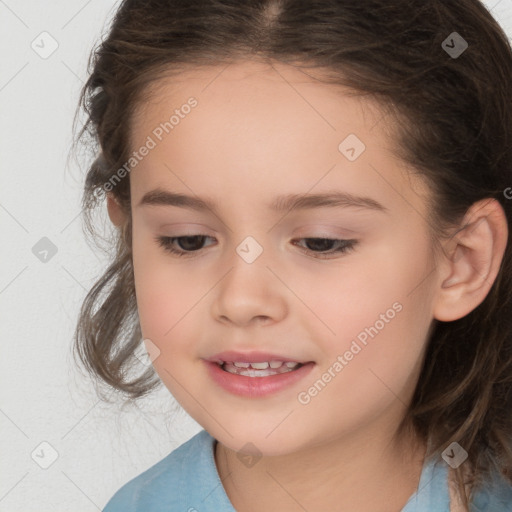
(257, 132)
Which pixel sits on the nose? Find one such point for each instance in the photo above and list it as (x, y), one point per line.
(249, 294)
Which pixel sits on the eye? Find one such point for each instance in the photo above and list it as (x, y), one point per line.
(320, 247)
(188, 244)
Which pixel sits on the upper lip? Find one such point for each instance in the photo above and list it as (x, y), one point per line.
(251, 357)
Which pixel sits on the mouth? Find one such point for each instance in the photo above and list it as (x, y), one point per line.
(263, 369)
(257, 378)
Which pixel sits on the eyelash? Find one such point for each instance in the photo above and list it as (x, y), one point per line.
(167, 241)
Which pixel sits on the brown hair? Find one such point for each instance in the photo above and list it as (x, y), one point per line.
(454, 128)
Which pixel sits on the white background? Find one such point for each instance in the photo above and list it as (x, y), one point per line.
(43, 397)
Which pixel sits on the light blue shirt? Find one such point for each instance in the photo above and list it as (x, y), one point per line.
(187, 480)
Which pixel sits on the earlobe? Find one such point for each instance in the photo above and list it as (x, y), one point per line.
(115, 211)
(472, 261)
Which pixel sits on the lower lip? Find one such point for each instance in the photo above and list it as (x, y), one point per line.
(256, 386)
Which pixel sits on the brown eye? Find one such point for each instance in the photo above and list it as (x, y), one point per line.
(186, 244)
(319, 246)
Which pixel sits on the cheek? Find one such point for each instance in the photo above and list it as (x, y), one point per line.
(352, 294)
(376, 311)
(371, 366)
(165, 291)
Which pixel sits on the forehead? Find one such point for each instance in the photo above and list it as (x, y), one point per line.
(261, 126)
(250, 83)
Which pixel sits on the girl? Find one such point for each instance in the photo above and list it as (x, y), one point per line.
(312, 202)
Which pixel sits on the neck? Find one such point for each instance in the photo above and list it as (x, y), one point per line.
(362, 471)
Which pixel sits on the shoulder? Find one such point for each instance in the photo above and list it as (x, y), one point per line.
(165, 483)
(493, 495)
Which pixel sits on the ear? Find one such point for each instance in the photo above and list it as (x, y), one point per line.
(115, 212)
(471, 260)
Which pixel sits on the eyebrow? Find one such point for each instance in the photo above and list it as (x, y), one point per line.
(160, 197)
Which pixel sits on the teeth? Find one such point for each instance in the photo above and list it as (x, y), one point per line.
(260, 366)
(264, 365)
(262, 369)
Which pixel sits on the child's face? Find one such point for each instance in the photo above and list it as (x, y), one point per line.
(253, 136)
